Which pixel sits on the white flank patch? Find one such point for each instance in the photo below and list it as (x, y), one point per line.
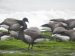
(39, 40)
(5, 37)
(4, 29)
(61, 37)
(28, 38)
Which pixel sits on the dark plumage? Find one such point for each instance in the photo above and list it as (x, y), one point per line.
(71, 25)
(62, 28)
(59, 30)
(58, 20)
(71, 34)
(62, 31)
(70, 22)
(15, 24)
(54, 25)
(30, 36)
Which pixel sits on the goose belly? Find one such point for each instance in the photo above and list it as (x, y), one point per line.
(28, 38)
(39, 40)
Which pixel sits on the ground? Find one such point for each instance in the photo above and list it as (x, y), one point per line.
(13, 47)
(48, 48)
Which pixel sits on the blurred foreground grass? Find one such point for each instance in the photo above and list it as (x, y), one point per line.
(52, 48)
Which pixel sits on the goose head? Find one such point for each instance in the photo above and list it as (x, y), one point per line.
(25, 19)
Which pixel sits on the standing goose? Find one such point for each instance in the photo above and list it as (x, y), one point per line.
(14, 24)
(30, 36)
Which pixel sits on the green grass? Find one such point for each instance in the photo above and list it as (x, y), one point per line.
(45, 48)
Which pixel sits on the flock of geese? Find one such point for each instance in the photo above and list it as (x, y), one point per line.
(61, 29)
(18, 29)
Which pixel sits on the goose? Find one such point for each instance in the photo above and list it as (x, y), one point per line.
(30, 36)
(65, 32)
(70, 22)
(59, 30)
(71, 34)
(13, 24)
(54, 25)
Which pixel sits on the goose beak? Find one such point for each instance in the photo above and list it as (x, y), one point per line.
(28, 21)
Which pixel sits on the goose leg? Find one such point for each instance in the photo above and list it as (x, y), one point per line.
(9, 29)
(32, 45)
(29, 47)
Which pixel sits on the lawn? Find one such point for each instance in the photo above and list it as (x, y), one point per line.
(46, 48)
